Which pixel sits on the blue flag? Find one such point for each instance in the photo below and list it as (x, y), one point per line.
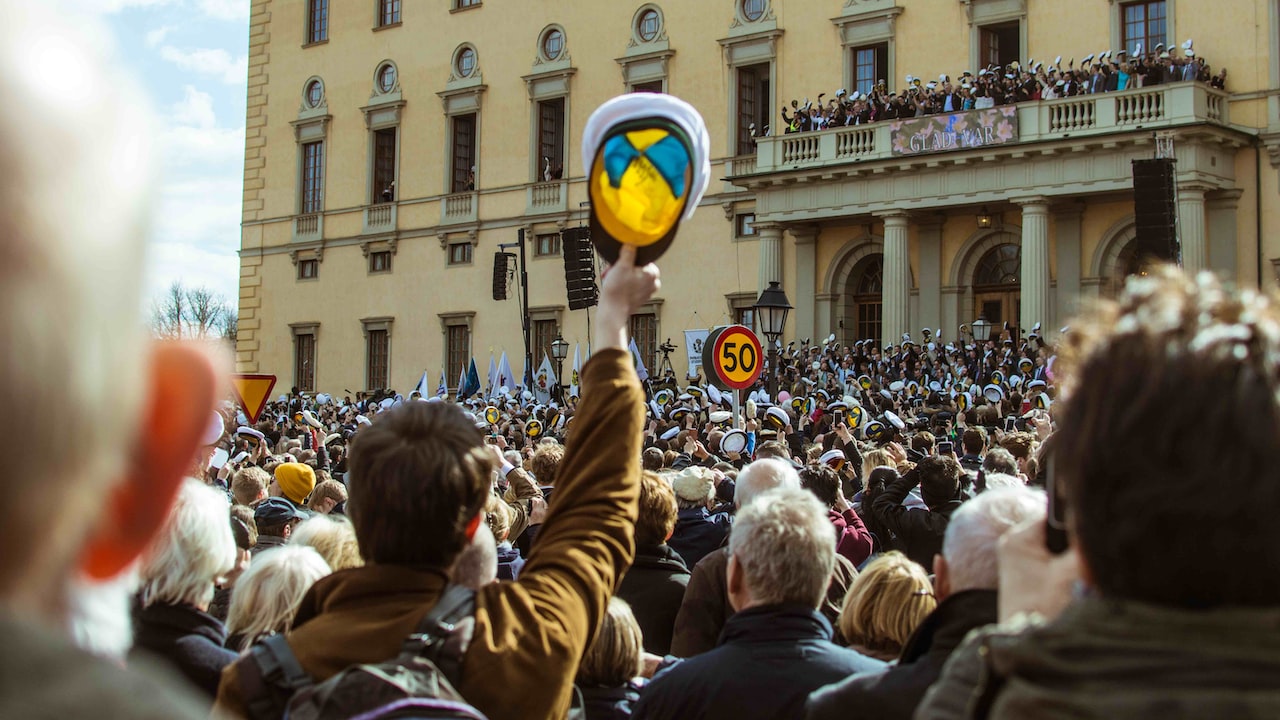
(473, 381)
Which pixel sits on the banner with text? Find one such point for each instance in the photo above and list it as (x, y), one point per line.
(693, 342)
(954, 131)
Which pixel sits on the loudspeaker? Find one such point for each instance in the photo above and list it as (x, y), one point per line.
(579, 267)
(501, 272)
(1154, 210)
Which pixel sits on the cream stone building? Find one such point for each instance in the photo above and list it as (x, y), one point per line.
(393, 146)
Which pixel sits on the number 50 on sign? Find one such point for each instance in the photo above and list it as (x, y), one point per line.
(734, 357)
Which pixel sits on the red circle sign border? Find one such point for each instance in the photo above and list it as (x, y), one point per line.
(733, 331)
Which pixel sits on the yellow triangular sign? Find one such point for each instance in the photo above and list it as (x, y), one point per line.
(253, 391)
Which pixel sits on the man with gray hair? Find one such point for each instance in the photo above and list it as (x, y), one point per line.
(705, 608)
(777, 648)
(967, 576)
(76, 361)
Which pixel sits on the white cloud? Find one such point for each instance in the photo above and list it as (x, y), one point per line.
(195, 108)
(209, 61)
(226, 9)
(196, 235)
(155, 37)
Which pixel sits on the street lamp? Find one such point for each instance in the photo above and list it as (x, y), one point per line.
(771, 313)
(981, 331)
(559, 351)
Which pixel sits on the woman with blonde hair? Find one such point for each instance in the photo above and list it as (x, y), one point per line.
(331, 536)
(873, 459)
(267, 596)
(610, 664)
(885, 604)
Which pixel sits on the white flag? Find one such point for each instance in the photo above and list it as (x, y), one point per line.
(506, 376)
(444, 385)
(641, 371)
(577, 370)
(493, 377)
(544, 380)
(424, 385)
(694, 340)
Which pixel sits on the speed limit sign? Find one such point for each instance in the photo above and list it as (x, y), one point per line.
(734, 357)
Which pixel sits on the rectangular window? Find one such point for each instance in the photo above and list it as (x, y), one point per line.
(458, 351)
(544, 331)
(999, 44)
(551, 139)
(308, 269)
(379, 351)
(869, 315)
(304, 362)
(1143, 22)
(460, 254)
(388, 12)
(317, 21)
(745, 225)
(745, 316)
(380, 261)
(644, 330)
(547, 245)
(753, 106)
(653, 86)
(870, 65)
(312, 177)
(384, 165)
(462, 4)
(464, 152)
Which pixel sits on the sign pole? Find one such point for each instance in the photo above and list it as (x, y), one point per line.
(737, 403)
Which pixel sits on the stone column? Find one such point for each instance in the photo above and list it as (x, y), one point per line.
(1035, 262)
(806, 237)
(770, 255)
(1191, 233)
(1067, 224)
(897, 278)
(929, 235)
(1223, 242)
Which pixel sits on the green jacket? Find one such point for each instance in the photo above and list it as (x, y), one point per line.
(1112, 659)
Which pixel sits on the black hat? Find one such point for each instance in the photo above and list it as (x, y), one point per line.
(276, 511)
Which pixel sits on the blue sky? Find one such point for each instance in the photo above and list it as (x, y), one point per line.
(191, 58)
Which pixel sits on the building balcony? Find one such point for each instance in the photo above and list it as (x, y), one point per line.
(1141, 109)
(459, 208)
(547, 197)
(309, 227)
(380, 218)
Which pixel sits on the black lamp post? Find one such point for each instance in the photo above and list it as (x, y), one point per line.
(559, 351)
(771, 313)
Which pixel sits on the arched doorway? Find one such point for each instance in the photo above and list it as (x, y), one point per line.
(997, 285)
(864, 300)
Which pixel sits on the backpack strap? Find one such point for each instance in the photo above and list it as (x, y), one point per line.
(271, 675)
(443, 635)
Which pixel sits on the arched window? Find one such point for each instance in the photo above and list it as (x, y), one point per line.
(864, 300)
(997, 286)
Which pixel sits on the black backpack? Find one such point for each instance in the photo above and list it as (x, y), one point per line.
(418, 683)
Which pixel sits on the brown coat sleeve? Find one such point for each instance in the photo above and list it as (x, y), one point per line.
(705, 607)
(531, 634)
(521, 488)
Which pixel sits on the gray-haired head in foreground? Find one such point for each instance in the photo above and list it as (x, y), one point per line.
(976, 526)
(783, 542)
(762, 476)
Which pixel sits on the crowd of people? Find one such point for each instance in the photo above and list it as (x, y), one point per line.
(875, 543)
(1016, 82)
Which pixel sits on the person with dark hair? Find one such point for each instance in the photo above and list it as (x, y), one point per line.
(657, 580)
(419, 478)
(853, 541)
(920, 530)
(1165, 449)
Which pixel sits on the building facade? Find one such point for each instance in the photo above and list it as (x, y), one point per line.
(392, 147)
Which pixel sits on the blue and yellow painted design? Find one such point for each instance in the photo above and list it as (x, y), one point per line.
(640, 185)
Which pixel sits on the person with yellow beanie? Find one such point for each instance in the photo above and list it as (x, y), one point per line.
(293, 482)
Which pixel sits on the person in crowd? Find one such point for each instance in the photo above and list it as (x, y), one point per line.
(419, 477)
(249, 485)
(698, 531)
(1155, 637)
(266, 597)
(333, 537)
(329, 494)
(655, 585)
(853, 540)
(888, 601)
(777, 647)
(921, 531)
(294, 482)
(245, 533)
(966, 585)
(275, 519)
(543, 467)
(497, 515)
(999, 461)
(178, 575)
(974, 443)
(606, 676)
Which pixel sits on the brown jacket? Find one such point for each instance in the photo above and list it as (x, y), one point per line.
(529, 634)
(706, 608)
